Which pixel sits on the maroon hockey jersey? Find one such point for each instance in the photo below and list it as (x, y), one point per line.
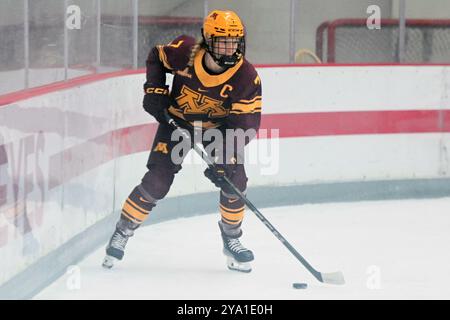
(231, 99)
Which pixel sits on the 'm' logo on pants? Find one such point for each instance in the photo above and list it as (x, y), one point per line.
(161, 147)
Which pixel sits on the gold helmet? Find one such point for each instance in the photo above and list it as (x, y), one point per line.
(224, 36)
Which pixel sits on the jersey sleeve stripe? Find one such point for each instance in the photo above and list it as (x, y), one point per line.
(250, 101)
(240, 107)
(247, 112)
(163, 57)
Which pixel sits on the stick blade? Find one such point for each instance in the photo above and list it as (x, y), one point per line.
(333, 278)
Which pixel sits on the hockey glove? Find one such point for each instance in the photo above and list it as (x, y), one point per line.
(156, 100)
(217, 174)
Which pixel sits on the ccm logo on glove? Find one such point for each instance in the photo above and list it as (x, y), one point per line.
(157, 90)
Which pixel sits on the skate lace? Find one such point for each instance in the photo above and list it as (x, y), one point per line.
(236, 246)
(119, 241)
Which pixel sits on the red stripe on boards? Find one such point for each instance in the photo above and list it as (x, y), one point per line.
(126, 141)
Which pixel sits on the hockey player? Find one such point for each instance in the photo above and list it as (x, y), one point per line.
(213, 83)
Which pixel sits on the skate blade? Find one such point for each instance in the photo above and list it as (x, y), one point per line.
(238, 266)
(108, 262)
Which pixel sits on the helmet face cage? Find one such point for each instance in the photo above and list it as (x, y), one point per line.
(226, 51)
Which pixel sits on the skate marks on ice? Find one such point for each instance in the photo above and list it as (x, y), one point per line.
(386, 250)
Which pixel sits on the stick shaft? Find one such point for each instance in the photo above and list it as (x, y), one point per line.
(199, 149)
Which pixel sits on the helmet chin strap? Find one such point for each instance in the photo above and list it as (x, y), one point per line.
(223, 61)
(227, 61)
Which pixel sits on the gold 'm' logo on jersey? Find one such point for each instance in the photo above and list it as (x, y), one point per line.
(193, 102)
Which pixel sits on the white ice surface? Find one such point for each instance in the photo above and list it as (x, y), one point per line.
(386, 250)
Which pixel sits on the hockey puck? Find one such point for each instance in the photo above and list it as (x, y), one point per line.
(298, 285)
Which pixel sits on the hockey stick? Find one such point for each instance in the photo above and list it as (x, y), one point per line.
(331, 278)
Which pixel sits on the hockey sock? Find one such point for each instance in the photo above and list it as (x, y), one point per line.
(138, 206)
(232, 213)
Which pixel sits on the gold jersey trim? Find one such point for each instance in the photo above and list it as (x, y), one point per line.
(239, 108)
(250, 101)
(163, 57)
(209, 80)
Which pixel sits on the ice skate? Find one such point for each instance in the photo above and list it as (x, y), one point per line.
(116, 247)
(238, 257)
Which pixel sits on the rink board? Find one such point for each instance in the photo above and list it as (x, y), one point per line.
(69, 158)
